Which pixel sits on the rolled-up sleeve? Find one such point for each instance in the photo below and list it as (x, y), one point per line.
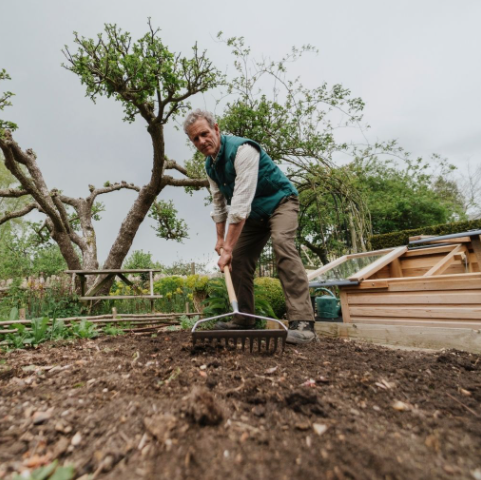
(219, 214)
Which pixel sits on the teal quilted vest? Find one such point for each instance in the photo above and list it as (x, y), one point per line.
(272, 184)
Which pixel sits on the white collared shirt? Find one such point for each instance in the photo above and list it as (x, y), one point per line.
(246, 166)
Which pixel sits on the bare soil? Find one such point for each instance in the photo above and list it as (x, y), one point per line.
(150, 408)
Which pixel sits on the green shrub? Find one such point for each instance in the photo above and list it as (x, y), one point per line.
(218, 303)
(271, 290)
(175, 293)
(396, 239)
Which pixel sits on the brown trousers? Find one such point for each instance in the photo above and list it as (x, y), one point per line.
(281, 227)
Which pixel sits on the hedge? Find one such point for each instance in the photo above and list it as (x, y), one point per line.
(396, 239)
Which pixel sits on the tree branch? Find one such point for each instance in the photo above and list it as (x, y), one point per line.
(61, 210)
(173, 165)
(73, 202)
(184, 182)
(13, 193)
(111, 188)
(19, 213)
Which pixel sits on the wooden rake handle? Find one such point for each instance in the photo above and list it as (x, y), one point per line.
(230, 287)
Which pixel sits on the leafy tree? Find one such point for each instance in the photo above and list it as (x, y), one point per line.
(409, 194)
(296, 125)
(184, 268)
(151, 83)
(20, 256)
(139, 259)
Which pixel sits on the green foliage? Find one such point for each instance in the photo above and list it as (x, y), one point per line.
(195, 168)
(84, 329)
(293, 123)
(172, 289)
(38, 334)
(111, 329)
(271, 290)
(218, 303)
(48, 260)
(139, 259)
(13, 314)
(397, 239)
(39, 300)
(49, 472)
(407, 194)
(5, 102)
(197, 283)
(8, 181)
(22, 256)
(187, 323)
(58, 330)
(184, 268)
(140, 73)
(17, 339)
(296, 126)
(168, 225)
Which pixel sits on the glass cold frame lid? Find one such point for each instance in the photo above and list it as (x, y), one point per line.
(348, 268)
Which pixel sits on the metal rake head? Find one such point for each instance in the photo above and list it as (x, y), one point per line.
(269, 338)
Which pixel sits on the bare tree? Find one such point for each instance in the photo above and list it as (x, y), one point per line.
(470, 186)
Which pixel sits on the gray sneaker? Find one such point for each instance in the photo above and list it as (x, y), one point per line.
(233, 325)
(301, 332)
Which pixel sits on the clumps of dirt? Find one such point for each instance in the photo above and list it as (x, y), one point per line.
(451, 358)
(160, 426)
(201, 408)
(306, 402)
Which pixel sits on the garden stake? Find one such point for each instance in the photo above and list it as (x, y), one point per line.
(212, 336)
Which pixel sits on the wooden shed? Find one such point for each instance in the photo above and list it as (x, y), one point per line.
(437, 284)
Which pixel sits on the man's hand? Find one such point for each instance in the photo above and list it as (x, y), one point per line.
(219, 246)
(225, 259)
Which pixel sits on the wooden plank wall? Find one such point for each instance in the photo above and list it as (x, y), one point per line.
(443, 301)
(404, 336)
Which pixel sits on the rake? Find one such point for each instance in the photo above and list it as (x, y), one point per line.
(242, 336)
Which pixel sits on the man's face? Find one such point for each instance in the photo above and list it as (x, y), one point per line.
(205, 138)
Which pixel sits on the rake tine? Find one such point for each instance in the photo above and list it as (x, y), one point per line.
(251, 344)
(243, 343)
(259, 343)
(275, 345)
(268, 341)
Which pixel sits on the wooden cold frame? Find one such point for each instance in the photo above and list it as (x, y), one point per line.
(344, 258)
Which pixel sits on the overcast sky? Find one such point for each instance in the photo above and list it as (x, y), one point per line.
(415, 63)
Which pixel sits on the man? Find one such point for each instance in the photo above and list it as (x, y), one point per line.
(263, 203)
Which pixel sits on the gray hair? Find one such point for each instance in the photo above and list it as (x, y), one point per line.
(198, 115)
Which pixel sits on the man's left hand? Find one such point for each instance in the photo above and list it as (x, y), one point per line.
(225, 259)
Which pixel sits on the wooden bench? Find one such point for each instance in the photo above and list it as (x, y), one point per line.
(110, 274)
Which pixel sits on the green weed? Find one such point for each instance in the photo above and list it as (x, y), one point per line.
(84, 329)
